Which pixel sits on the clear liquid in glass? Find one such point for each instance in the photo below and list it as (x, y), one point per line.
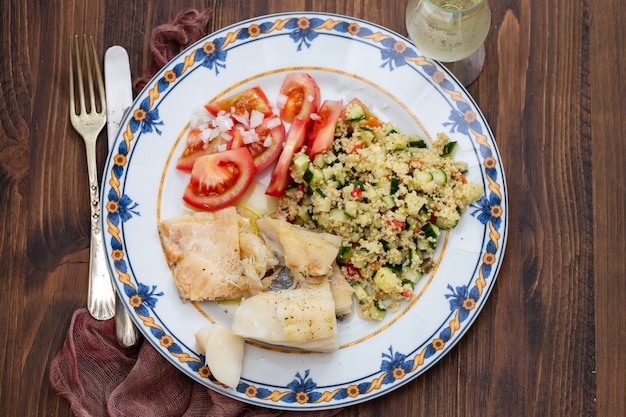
(449, 30)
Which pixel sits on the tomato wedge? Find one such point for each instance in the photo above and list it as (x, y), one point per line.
(251, 99)
(280, 175)
(322, 132)
(219, 179)
(197, 148)
(299, 96)
(267, 143)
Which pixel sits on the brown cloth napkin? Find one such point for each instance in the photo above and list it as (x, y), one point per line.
(99, 379)
(97, 376)
(170, 39)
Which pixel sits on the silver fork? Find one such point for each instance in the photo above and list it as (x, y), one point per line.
(88, 123)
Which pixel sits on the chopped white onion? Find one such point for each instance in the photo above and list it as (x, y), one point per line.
(200, 117)
(268, 141)
(224, 123)
(315, 116)
(273, 122)
(256, 118)
(244, 119)
(222, 147)
(250, 136)
(281, 101)
(208, 135)
(310, 98)
(226, 136)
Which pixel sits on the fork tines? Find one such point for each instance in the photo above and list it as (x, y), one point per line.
(89, 63)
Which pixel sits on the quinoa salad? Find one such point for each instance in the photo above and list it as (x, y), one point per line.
(389, 195)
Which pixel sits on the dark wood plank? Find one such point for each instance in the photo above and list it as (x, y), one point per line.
(607, 42)
(549, 341)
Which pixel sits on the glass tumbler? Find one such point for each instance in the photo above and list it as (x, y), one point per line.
(452, 32)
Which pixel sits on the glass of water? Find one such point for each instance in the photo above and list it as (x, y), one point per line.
(452, 32)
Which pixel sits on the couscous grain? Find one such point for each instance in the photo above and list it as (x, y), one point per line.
(388, 195)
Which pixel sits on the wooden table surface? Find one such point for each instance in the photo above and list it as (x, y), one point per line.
(550, 340)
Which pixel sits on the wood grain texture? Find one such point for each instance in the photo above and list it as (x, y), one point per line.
(607, 47)
(550, 340)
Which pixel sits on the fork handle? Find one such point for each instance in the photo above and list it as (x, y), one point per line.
(100, 295)
(127, 333)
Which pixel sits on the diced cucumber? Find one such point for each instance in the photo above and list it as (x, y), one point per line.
(350, 208)
(344, 255)
(389, 201)
(364, 219)
(318, 161)
(329, 172)
(423, 244)
(354, 112)
(431, 231)
(333, 184)
(422, 177)
(359, 291)
(412, 256)
(407, 284)
(472, 191)
(409, 274)
(388, 129)
(417, 142)
(313, 176)
(377, 310)
(439, 176)
(359, 263)
(414, 202)
(394, 185)
(321, 219)
(323, 205)
(386, 280)
(448, 149)
(303, 214)
(445, 223)
(338, 215)
(301, 163)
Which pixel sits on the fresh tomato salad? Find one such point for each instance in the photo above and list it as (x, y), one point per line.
(233, 139)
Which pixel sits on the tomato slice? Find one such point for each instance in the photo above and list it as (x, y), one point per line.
(270, 137)
(322, 133)
(299, 96)
(197, 148)
(280, 175)
(251, 99)
(219, 179)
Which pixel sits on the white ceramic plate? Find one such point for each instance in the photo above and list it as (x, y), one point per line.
(348, 57)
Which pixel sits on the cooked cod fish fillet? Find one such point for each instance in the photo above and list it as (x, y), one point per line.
(256, 256)
(304, 251)
(203, 249)
(223, 352)
(342, 292)
(302, 317)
